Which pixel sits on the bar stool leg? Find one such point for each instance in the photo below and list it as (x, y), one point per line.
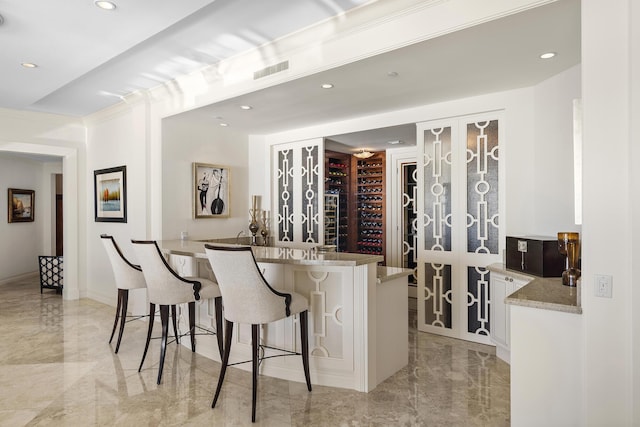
(219, 334)
(174, 315)
(123, 314)
(192, 325)
(115, 322)
(152, 315)
(228, 332)
(304, 341)
(164, 317)
(255, 341)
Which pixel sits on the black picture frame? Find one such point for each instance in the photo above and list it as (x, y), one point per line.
(110, 194)
(21, 204)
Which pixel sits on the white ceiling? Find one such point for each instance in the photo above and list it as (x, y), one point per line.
(89, 58)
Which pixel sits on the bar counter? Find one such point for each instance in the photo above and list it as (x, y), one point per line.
(274, 254)
(358, 314)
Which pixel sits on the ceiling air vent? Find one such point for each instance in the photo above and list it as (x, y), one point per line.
(272, 69)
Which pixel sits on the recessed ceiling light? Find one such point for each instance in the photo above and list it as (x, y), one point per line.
(224, 124)
(29, 65)
(547, 55)
(392, 74)
(327, 86)
(246, 107)
(106, 5)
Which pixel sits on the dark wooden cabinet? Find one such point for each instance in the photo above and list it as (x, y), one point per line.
(359, 189)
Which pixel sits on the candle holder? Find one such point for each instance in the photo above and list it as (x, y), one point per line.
(569, 245)
(254, 226)
(264, 231)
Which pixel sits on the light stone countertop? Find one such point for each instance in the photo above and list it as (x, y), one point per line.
(276, 255)
(547, 293)
(385, 274)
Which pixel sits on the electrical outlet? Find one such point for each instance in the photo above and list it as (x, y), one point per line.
(603, 286)
(522, 246)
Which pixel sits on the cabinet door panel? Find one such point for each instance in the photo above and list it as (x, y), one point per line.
(499, 313)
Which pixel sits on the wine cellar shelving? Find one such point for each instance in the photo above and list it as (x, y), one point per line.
(370, 204)
(355, 203)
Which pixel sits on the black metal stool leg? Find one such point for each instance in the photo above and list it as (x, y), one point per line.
(219, 334)
(124, 304)
(228, 332)
(152, 315)
(164, 317)
(304, 342)
(255, 342)
(115, 321)
(174, 315)
(192, 324)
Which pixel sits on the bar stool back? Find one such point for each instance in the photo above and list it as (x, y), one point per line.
(249, 299)
(128, 276)
(166, 288)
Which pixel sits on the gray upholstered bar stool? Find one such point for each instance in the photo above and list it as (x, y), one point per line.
(166, 288)
(128, 276)
(249, 299)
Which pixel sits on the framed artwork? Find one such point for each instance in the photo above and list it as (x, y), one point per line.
(210, 191)
(110, 194)
(21, 205)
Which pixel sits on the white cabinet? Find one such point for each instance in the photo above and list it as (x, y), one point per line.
(502, 285)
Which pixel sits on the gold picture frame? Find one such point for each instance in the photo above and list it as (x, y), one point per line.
(21, 205)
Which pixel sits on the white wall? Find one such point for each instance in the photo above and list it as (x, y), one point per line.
(184, 142)
(22, 242)
(610, 235)
(553, 193)
(116, 137)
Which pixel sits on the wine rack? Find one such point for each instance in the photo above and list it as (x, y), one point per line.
(331, 219)
(337, 183)
(370, 200)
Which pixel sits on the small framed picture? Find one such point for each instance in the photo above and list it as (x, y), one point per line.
(21, 205)
(210, 191)
(110, 194)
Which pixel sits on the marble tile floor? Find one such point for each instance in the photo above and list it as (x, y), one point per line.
(57, 369)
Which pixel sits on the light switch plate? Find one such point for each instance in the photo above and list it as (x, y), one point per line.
(603, 286)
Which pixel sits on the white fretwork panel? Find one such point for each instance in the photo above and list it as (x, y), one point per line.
(410, 219)
(482, 187)
(478, 300)
(458, 181)
(185, 266)
(284, 194)
(297, 191)
(310, 197)
(437, 220)
(437, 298)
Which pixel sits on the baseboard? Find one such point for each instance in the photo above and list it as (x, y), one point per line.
(18, 277)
